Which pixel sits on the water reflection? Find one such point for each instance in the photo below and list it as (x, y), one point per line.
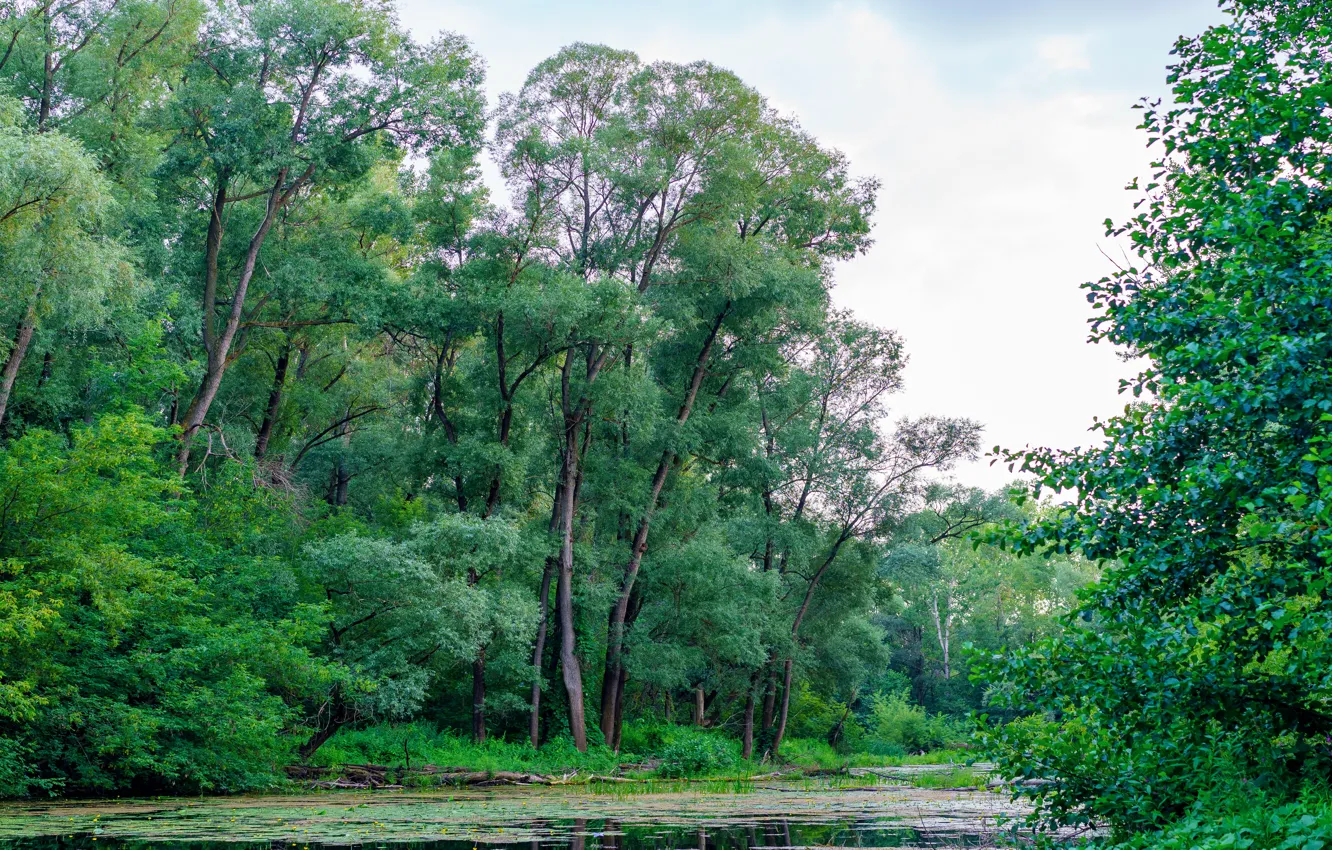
(579, 834)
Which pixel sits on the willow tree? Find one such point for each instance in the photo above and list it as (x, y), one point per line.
(282, 101)
(56, 261)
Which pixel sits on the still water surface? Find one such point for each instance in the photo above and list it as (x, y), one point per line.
(533, 819)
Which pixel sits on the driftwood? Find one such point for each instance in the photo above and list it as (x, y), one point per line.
(370, 776)
(378, 776)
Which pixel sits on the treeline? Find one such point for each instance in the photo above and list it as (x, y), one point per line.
(303, 430)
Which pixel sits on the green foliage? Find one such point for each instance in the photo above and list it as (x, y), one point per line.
(419, 743)
(306, 441)
(694, 752)
(1254, 825)
(1202, 655)
(894, 727)
(143, 647)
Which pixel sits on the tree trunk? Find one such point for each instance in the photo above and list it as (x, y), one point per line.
(769, 700)
(795, 633)
(619, 708)
(339, 478)
(747, 735)
(479, 697)
(835, 733)
(786, 707)
(48, 366)
(570, 670)
(16, 354)
(699, 706)
(943, 628)
(218, 346)
(538, 652)
(274, 402)
(327, 722)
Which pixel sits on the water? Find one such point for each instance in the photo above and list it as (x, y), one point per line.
(575, 818)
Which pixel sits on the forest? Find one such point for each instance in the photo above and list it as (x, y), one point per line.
(314, 449)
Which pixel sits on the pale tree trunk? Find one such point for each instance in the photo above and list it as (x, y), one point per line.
(698, 706)
(943, 627)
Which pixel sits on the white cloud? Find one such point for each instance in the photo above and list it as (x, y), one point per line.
(1064, 53)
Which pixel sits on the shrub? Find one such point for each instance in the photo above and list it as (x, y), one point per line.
(895, 727)
(694, 753)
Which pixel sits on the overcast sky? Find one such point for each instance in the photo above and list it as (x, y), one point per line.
(1002, 131)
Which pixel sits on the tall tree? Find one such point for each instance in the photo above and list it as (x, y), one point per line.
(280, 101)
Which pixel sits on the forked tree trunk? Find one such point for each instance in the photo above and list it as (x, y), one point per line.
(614, 673)
(274, 403)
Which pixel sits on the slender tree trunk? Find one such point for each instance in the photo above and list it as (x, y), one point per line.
(747, 735)
(479, 697)
(835, 733)
(769, 699)
(699, 706)
(16, 354)
(795, 633)
(538, 652)
(217, 345)
(274, 402)
(48, 363)
(619, 708)
(787, 668)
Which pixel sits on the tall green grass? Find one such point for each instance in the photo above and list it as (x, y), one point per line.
(417, 744)
(677, 752)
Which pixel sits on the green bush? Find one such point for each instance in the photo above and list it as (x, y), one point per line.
(1295, 826)
(692, 752)
(895, 727)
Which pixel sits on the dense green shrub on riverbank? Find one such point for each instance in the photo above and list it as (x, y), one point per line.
(1259, 823)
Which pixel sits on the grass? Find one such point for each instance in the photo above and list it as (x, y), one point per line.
(958, 777)
(815, 753)
(417, 744)
(715, 756)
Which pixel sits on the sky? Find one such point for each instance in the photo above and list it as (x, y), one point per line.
(1003, 134)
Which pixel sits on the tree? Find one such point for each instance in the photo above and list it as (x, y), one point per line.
(56, 264)
(1206, 654)
(280, 101)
